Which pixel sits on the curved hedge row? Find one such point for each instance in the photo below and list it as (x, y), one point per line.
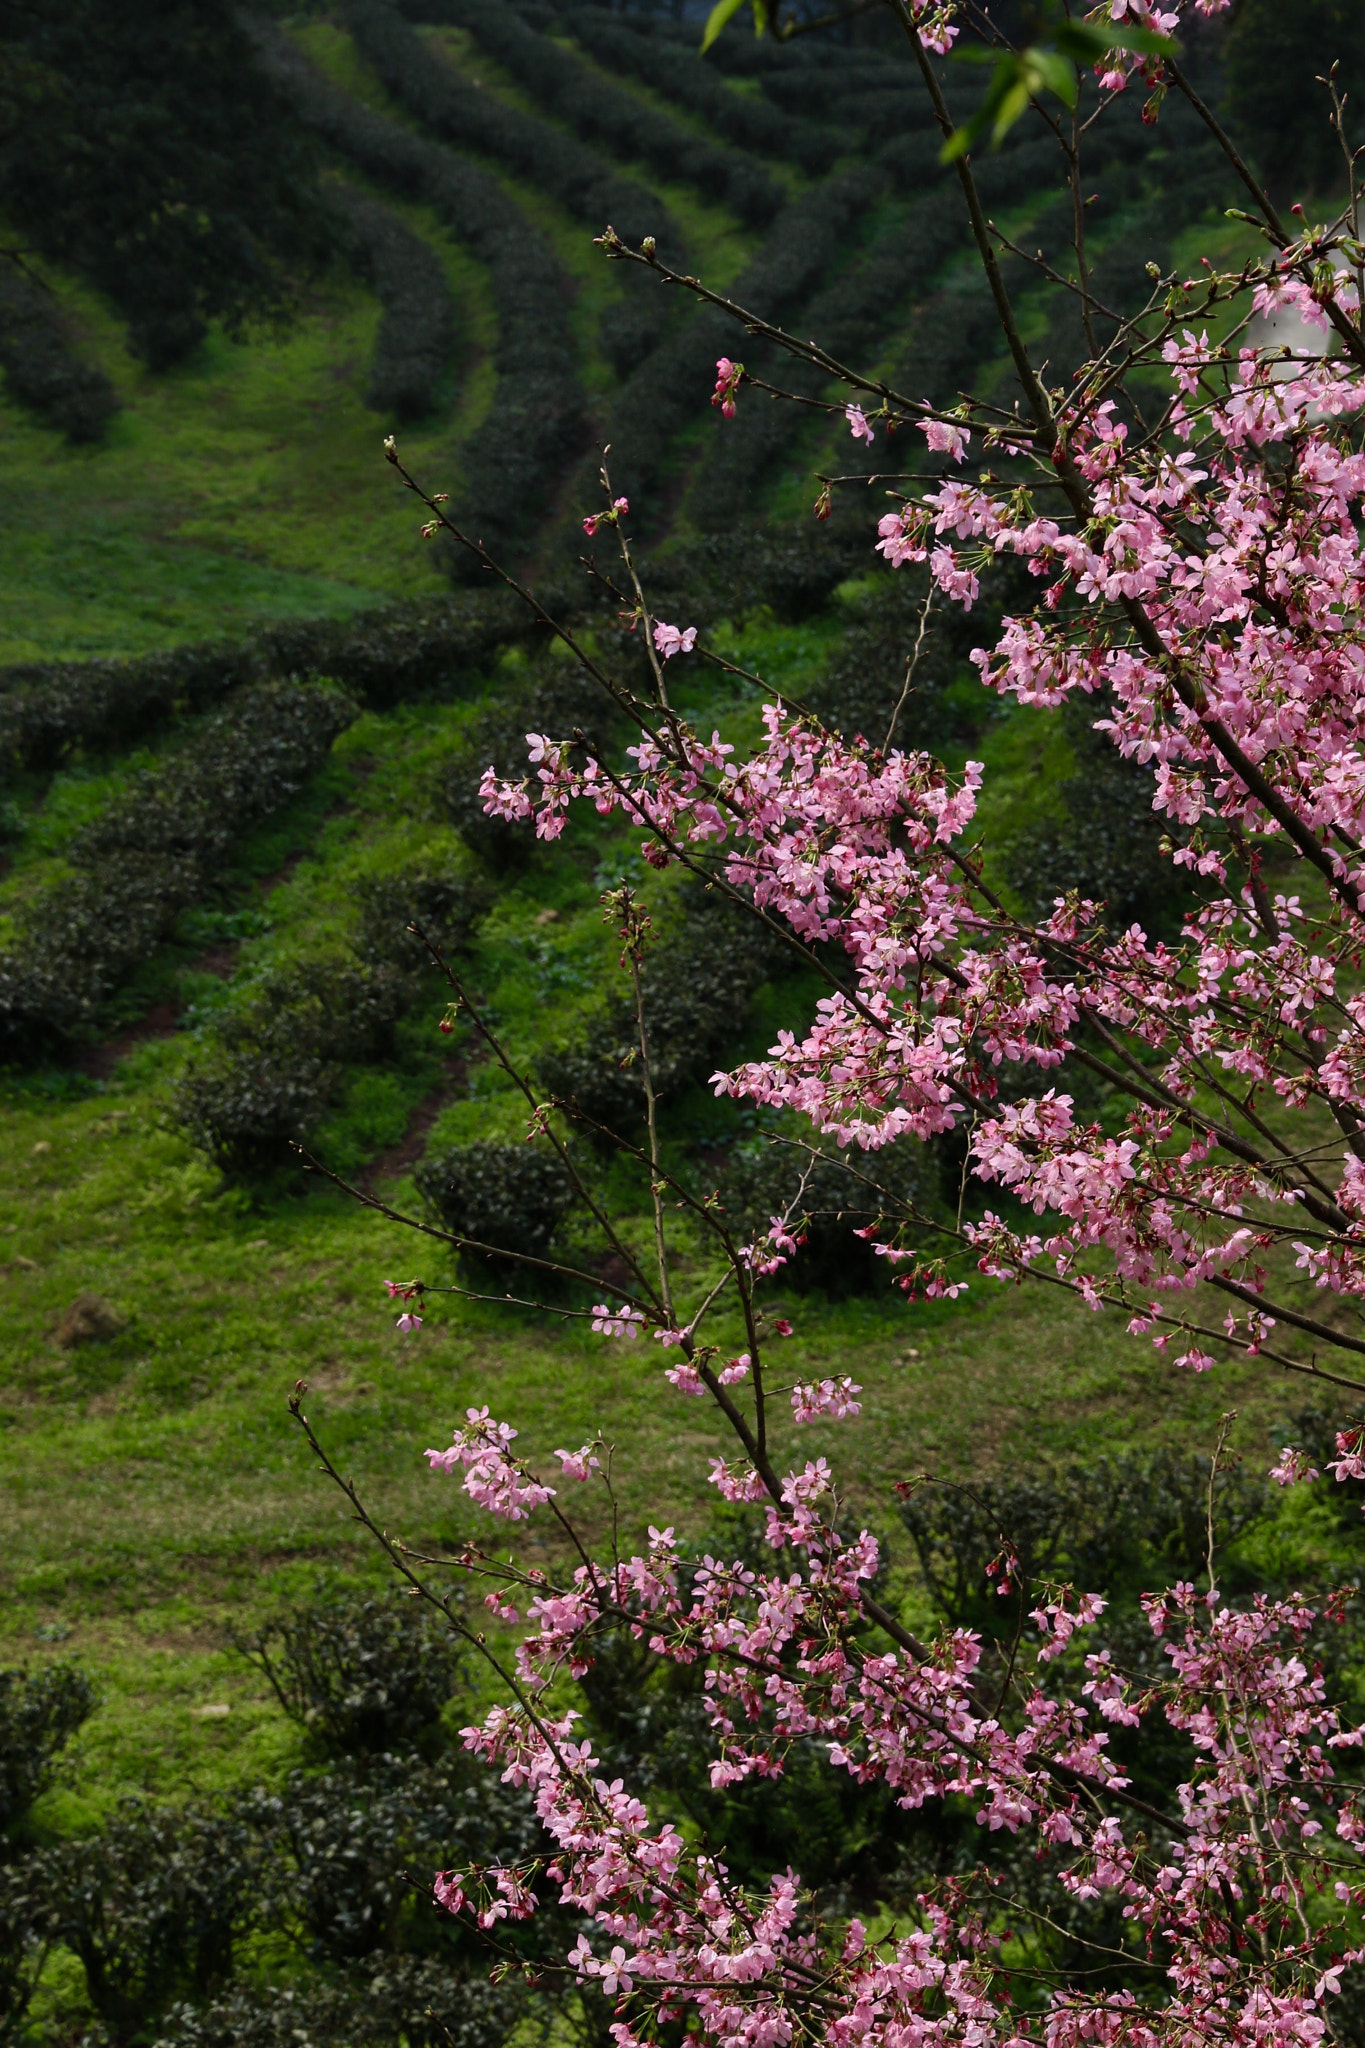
(49, 710)
(41, 365)
(671, 389)
(418, 328)
(538, 414)
(271, 1063)
(472, 118)
(603, 114)
(152, 852)
(671, 67)
(852, 316)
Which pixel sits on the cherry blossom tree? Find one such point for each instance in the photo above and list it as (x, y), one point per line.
(1198, 569)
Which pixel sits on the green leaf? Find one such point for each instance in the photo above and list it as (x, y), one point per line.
(723, 11)
(1088, 41)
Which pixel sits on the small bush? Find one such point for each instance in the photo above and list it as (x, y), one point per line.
(418, 330)
(24, 1942)
(760, 1181)
(445, 906)
(511, 1197)
(39, 1714)
(42, 366)
(362, 1676)
(153, 1906)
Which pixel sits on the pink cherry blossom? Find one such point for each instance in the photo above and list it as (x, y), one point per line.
(670, 641)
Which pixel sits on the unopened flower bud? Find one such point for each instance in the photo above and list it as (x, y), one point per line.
(649, 247)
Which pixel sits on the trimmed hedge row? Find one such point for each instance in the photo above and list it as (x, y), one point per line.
(660, 59)
(154, 851)
(538, 415)
(271, 1064)
(418, 328)
(670, 390)
(41, 365)
(602, 113)
(49, 710)
(472, 118)
(851, 315)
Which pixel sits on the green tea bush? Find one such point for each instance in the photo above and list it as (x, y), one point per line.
(397, 2001)
(603, 114)
(537, 420)
(153, 1906)
(39, 1713)
(273, 1061)
(156, 848)
(763, 1180)
(511, 1197)
(418, 330)
(25, 1940)
(363, 1677)
(445, 906)
(696, 986)
(42, 366)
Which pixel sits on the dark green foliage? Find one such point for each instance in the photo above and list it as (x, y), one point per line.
(668, 63)
(42, 366)
(472, 119)
(50, 710)
(603, 114)
(763, 1180)
(157, 848)
(39, 1713)
(363, 1677)
(143, 146)
(1277, 52)
(418, 331)
(273, 1061)
(153, 1906)
(696, 985)
(24, 1941)
(444, 906)
(559, 703)
(395, 2001)
(537, 418)
(1106, 842)
(1119, 1527)
(510, 1197)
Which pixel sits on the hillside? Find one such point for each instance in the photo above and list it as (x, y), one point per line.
(244, 708)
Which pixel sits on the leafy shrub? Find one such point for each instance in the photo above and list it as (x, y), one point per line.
(396, 2002)
(418, 330)
(39, 1714)
(273, 1061)
(24, 1942)
(362, 1676)
(445, 906)
(154, 850)
(760, 1181)
(153, 1906)
(695, 988)
(512, 1197)
(602, 113)
(537, 417)
(43, 368)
